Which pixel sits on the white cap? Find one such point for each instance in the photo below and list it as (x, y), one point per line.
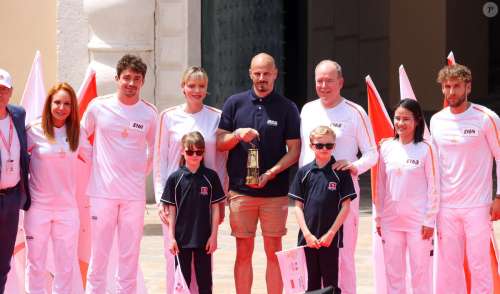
(5, 78)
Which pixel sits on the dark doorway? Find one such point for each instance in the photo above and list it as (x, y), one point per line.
(295, 66)
(494, 62)
(234, 31)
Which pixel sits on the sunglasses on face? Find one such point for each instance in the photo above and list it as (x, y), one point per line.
(192, 152)
(319, 146)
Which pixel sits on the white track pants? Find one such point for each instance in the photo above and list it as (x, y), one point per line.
(464, 230)
(62, 227)
(127, 218)
(170, 266)
(395, 244)
(347, 268)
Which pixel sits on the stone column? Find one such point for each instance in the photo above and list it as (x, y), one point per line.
(118, 27)
(178, 45)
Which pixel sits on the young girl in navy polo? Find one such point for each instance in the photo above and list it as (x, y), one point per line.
(322, 198)
(192, 194)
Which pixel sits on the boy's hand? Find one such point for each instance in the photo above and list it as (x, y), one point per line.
(327, 239)
(174, 249)
(211, 244)
(312, 241)
(163, 213)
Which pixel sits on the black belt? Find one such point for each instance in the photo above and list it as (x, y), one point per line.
(6, 191)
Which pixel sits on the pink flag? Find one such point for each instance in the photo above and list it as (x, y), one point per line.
(293, 269)
(87, 92)
(34, 92)
(382, 128)
(406, 91)
(451, 58)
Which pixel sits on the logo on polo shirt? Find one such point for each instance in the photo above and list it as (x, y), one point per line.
(30, 238)
(271, 122)
(138, 126)
(470, 132)
(204, 191)
(332, 186)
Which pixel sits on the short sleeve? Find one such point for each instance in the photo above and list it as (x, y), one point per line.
(88, 119)
(296, 191)
(292, 123)
(217, 191)
(227, 117)
(30, 138)
(346, 187)
(168, 196)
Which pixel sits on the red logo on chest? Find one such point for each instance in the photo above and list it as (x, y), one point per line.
(204, 191)
(332, 186)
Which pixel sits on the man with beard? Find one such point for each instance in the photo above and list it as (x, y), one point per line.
(466, 137)
(123, 126)
(354, 133)
(263, 118)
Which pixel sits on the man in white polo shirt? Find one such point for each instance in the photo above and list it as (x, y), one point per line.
(466, 137)
(354, 133)
(123, 126)
(14, 166)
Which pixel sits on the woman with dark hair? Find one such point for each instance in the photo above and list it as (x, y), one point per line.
(407, 200)
(55, 143)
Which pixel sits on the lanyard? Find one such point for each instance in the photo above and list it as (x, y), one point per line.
(7, 146)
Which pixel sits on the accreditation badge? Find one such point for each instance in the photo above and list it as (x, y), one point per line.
(9, 166)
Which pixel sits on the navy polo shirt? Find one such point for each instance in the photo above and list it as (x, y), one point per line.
(322, 190)
(277, 119)
(193, 195)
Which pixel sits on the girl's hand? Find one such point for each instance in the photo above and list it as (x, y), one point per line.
(163, 213)
(427, 232)
(174, 249)
(211, 244)
(327, 239)
(312, 241)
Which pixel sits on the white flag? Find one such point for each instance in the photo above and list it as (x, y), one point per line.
(34, 92)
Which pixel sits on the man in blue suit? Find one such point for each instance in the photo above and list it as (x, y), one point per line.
(14, 166)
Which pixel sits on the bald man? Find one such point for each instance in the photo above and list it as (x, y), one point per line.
(271, 122)
(354, 132)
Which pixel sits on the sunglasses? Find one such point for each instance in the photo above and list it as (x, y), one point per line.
(192, 152)
(328, 146)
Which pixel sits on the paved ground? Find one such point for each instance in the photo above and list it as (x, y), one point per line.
(153, 264)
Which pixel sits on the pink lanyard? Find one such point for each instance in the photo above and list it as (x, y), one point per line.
(7, 146)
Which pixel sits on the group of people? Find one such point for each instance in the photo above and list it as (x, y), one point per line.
(198, 155)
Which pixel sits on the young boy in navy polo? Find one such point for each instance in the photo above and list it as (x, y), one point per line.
(322, 198)
(192, 194)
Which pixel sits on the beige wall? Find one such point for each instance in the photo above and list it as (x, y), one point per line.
(418, 41)
(27, 26)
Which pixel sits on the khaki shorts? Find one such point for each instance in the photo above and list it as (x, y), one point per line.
(245, 211)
